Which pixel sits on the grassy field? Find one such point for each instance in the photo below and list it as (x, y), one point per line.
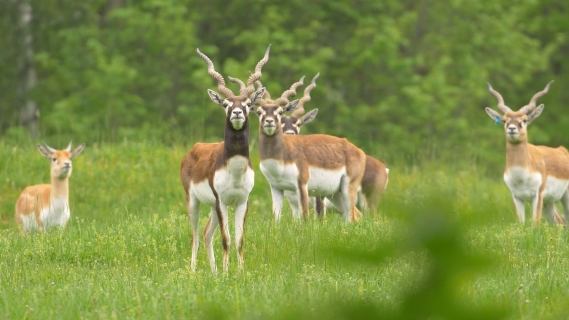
(445, 245)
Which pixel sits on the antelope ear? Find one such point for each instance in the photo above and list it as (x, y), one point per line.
(291, 106)
(535, 113)
(44, 152)
(215, 97)
(308, 117)
(493, 114)
(257, 95)
(77, 150)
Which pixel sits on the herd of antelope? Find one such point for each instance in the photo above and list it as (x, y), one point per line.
(321, 169)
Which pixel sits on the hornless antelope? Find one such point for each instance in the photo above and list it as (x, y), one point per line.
(220, 174)
(536, 174)
(43, 206)
(325, 166)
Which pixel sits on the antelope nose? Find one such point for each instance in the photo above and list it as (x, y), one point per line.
(269, 121)
(237, 112)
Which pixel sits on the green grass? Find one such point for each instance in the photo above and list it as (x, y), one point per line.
(445, 245)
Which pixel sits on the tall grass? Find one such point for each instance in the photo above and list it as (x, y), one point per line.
(444, 245)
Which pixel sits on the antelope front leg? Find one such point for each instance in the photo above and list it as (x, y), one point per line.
(208, 233)
(565, 204)
(193, 207)
(302, 194)
(549, 212)
(520, 209)
(223, 217)
(277, 196)
(537, 206)
(240, 215)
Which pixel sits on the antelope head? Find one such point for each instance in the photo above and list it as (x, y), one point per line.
(61, 166)
(516, 122)
(292, 124)
(272, 112)
(236, 107)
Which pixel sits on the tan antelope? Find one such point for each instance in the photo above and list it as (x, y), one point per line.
(374, 181)
(535, 174)
(42, 206)
(220, 174)
(319, 165)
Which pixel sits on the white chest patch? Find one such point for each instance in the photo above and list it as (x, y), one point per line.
(284, 177)
(56, 214)
(234, 183)
(523, 183)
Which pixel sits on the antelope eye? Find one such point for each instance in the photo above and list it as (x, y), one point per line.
(54, 159)
(525, 121)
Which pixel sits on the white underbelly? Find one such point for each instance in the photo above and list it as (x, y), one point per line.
(525, 185)
(554, 189)
(324, 182)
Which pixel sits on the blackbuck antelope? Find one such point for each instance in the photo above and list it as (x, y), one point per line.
(374, 181)
(318, 164)
(42, 206)
(536, 174)
(291, 125)
(220, 174)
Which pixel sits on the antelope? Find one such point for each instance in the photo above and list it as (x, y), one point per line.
(322, 165)
(220, 174)
(374, 181)
(536, 174)
(42, 206)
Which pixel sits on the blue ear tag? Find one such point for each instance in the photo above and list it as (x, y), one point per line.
(497, 121)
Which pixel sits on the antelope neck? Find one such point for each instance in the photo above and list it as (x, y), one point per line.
(517, 155)
(236, 142)
(59, 188)
(271, 147)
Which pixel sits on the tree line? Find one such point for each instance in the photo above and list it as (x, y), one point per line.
(395, 76)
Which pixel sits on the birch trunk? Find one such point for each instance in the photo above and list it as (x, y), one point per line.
(29, 112)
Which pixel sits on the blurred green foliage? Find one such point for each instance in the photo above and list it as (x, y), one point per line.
(396, 76)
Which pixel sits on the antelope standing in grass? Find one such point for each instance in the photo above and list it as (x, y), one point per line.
(220, 174)
(322, 165)
(374, 181)
(535, 174)
(42, 206)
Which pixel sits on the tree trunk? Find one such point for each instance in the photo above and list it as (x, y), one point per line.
(29, 112)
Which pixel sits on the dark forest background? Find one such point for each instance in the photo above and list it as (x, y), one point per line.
(396, 77)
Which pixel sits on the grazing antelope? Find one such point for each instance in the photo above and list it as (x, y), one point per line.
(322, 165)
(536, 174)
(220, 174)
(42, 206)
